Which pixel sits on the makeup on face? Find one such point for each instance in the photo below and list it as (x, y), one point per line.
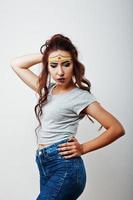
(59, 58)
(66, 61)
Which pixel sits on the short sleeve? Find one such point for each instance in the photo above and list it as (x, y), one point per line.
(82, 101)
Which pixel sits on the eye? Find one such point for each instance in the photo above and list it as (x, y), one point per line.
(53, 66)
(66, 64)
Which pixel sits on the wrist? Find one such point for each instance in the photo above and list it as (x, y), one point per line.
(82, 149)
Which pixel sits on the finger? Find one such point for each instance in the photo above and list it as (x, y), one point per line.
(67, 157)
(66, 144)
(71, 138)
(70, 141)
(70, 156)
(66, 148)
(66, 152)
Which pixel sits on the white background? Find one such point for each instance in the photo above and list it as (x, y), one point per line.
(102, 32)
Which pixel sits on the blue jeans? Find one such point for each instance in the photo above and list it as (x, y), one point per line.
(60, 178)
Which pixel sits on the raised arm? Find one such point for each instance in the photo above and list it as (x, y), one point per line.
(21, 66)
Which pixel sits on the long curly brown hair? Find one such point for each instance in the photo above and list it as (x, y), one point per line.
(58, 42)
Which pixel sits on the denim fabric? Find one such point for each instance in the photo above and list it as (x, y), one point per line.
(60, 178)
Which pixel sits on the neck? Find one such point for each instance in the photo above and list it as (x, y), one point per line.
(69, 85)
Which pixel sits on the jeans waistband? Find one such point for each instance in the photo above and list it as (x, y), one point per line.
(50, 148)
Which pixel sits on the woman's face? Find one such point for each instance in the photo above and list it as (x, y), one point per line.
(60, 65)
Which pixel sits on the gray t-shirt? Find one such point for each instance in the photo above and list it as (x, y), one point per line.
(62, 113)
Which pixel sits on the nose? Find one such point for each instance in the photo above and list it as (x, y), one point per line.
(60, 71)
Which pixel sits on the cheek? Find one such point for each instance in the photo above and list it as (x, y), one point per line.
(50, 70)
(69, 70)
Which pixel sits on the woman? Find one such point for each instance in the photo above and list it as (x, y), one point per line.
(61, 105)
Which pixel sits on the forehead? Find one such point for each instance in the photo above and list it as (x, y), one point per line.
(59, 52)
(59, 56)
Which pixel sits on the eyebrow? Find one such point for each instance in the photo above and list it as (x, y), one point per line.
(61, 63)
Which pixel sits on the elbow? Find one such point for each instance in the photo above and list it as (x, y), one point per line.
(119, 130)
(116, 131)
(122, 132)
(14, 62)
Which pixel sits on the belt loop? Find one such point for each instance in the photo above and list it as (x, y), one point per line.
(44, 152)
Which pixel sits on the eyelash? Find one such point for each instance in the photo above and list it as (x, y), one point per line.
(66, 65)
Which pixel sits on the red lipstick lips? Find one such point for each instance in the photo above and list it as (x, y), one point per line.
(61, 79)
